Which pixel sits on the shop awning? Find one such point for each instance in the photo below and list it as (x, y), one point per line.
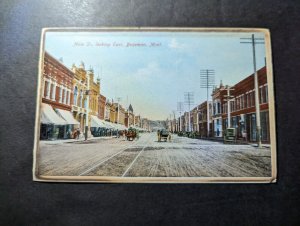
(48, 116)
(110, 125)
(96, 122)
(67, 116)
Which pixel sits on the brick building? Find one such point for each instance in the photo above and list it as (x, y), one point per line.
(243, 116)
(57, 121)
(202, 109)
(218, 96)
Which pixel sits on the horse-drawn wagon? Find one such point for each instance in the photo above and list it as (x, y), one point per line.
(131, 134)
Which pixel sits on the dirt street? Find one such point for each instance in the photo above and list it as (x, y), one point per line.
(146, 157)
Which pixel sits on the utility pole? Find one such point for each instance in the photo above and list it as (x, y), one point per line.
(189, 100)
(207, 81)
(174, 122)
(180, 109)
(253, 41)
(170, 123)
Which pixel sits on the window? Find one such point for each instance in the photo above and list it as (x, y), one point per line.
(75, 95)
(251, 99)
(80, 100)
(46, 88)
(65, 96)
(219, 107)
(261, 98)
(60, 94)
(248, 100)
(264, 126)
(214, 109)
(243, 101)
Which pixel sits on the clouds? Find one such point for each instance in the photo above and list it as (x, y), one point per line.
(155, 78)
(151, 70)
(174, 44)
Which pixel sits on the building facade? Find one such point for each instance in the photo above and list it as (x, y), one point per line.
(101, 106)
(57, 83)
(243, 115)
(129, 117)
(120, 114)
(146, 124)
(218, 96)
(94, 92)
(205, 127)
(79, 103)
(56, 121)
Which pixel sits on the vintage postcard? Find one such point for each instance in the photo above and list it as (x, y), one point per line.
(159, 105)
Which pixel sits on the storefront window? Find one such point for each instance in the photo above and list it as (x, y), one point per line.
(233, 122)
(264, 117)
(253, 127)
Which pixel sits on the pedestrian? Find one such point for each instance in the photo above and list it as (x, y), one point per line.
(78, 133)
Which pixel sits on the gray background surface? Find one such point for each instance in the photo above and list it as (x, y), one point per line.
(24, 202)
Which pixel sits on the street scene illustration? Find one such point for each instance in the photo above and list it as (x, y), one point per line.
(154, 104)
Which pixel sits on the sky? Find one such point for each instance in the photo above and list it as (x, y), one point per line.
(152, 70)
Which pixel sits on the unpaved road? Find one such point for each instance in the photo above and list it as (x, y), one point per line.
(182, 157)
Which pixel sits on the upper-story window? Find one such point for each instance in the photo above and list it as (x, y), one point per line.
(263, 94)
(250, 99)
(81, 98)
(242, 101)
(75, 95)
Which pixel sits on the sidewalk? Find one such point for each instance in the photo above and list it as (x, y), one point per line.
(74, 140)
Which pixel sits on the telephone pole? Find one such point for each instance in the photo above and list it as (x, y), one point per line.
(189, 100)
(180, 109)
(207, 81)
(254, 41)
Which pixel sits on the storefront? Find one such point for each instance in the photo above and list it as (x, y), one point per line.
(251, 127)
(52, 126)
(71, 125)
(218, 131)
(99, 127)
